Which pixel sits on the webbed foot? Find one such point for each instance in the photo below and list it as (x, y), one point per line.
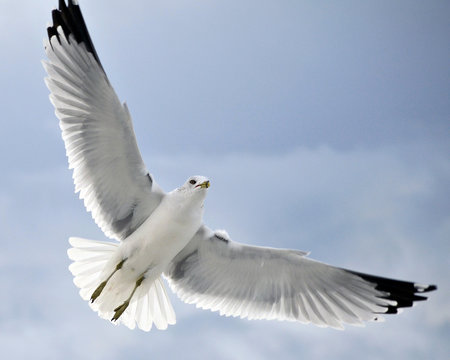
(98, 291)
(118, 311)
(100, 288)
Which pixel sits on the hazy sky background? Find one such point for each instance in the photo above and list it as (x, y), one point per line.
(324, 126)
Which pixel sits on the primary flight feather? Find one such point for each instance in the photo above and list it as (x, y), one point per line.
(163, 233)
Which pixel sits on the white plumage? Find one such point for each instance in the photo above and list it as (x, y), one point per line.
(162, 233)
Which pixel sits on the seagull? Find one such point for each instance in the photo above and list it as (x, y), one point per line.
(162, 235)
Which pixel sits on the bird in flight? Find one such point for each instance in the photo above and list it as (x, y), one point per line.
(162, 234)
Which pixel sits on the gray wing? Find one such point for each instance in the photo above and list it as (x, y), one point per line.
(252, 282)
(108, 170)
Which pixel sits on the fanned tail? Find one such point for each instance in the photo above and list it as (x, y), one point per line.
(89, 259)
(150, 303)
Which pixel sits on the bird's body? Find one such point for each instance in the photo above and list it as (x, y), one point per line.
(147, 252)
(162, 234)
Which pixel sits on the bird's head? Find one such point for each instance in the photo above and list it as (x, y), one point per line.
(196, 185)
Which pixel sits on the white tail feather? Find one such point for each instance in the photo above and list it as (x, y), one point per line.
(150, 303)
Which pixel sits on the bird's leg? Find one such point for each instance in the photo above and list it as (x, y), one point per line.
(100, 288)
(118, 311)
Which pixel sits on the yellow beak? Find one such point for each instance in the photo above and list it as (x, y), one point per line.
(205, 184)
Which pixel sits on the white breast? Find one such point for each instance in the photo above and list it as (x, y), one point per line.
(163, 235)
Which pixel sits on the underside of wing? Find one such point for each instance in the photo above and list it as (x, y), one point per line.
(252, 282)
(108, 170)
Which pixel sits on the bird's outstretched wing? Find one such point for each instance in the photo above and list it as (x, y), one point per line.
(108, 170)
(252, 282)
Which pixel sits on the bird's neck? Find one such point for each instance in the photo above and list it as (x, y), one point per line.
(185, 202)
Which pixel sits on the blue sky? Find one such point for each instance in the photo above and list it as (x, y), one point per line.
(324, 126)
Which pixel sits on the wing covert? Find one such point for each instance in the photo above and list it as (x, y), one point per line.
(97, 129)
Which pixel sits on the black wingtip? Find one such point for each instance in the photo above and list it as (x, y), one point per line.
(427, 288)
(62, 4)
(404, 293)
(71, 20)
(51, 31)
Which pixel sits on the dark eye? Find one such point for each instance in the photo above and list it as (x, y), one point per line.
(192, 182)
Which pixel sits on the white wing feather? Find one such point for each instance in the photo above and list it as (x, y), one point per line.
(252, 282)
(108, 170)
